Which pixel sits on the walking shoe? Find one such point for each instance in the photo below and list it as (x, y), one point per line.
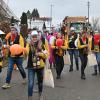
(24, 81)
(95, 73)
(6, 86)
(70, 70)
(58, 77)
(83, 77)
(40, 96)
(77, 68)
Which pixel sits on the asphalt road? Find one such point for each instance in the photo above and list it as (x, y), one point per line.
(69, 87)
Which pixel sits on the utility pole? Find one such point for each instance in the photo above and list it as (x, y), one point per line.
(51, 16)
(88, 11)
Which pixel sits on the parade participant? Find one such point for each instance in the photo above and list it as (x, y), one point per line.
(1, 54)
(59, 53)
(38, 52)
(73, 50)
(83, 52)
(51, 38)
(95, 48)
(14, 38)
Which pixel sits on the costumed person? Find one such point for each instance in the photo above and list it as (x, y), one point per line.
(83, 52)
(9, 41)
(15, 45)
(38, 52)
(95, 48)
(73, 49)
(59, 46)
(1, 54)
(51, 39)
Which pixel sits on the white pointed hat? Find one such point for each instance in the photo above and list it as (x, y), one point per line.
(1, 32)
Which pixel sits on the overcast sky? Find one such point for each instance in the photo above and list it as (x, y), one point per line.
(61, 8)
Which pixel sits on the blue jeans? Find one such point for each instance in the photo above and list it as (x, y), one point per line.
(75, 53)
(31, 78)
(97, 54)
(18, 61)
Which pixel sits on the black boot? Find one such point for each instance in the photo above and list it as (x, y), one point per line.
(83, 77)
(0, 69)
(77, 66)
(95, 73)
(58, 77)
(71, 69)
(50, 66)
(99, 70)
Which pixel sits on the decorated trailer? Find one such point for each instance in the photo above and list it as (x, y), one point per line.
(77, 23)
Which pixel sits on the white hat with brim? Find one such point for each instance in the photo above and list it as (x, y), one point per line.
(34, 33)
(16, 27)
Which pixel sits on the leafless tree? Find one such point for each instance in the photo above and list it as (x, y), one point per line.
(96, 24)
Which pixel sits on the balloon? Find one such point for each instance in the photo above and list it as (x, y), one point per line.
(51, 41)
(97, 36)
(96, 39)
(16, 49)
(59, 42)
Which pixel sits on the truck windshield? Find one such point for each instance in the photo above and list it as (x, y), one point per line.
(77, 26)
